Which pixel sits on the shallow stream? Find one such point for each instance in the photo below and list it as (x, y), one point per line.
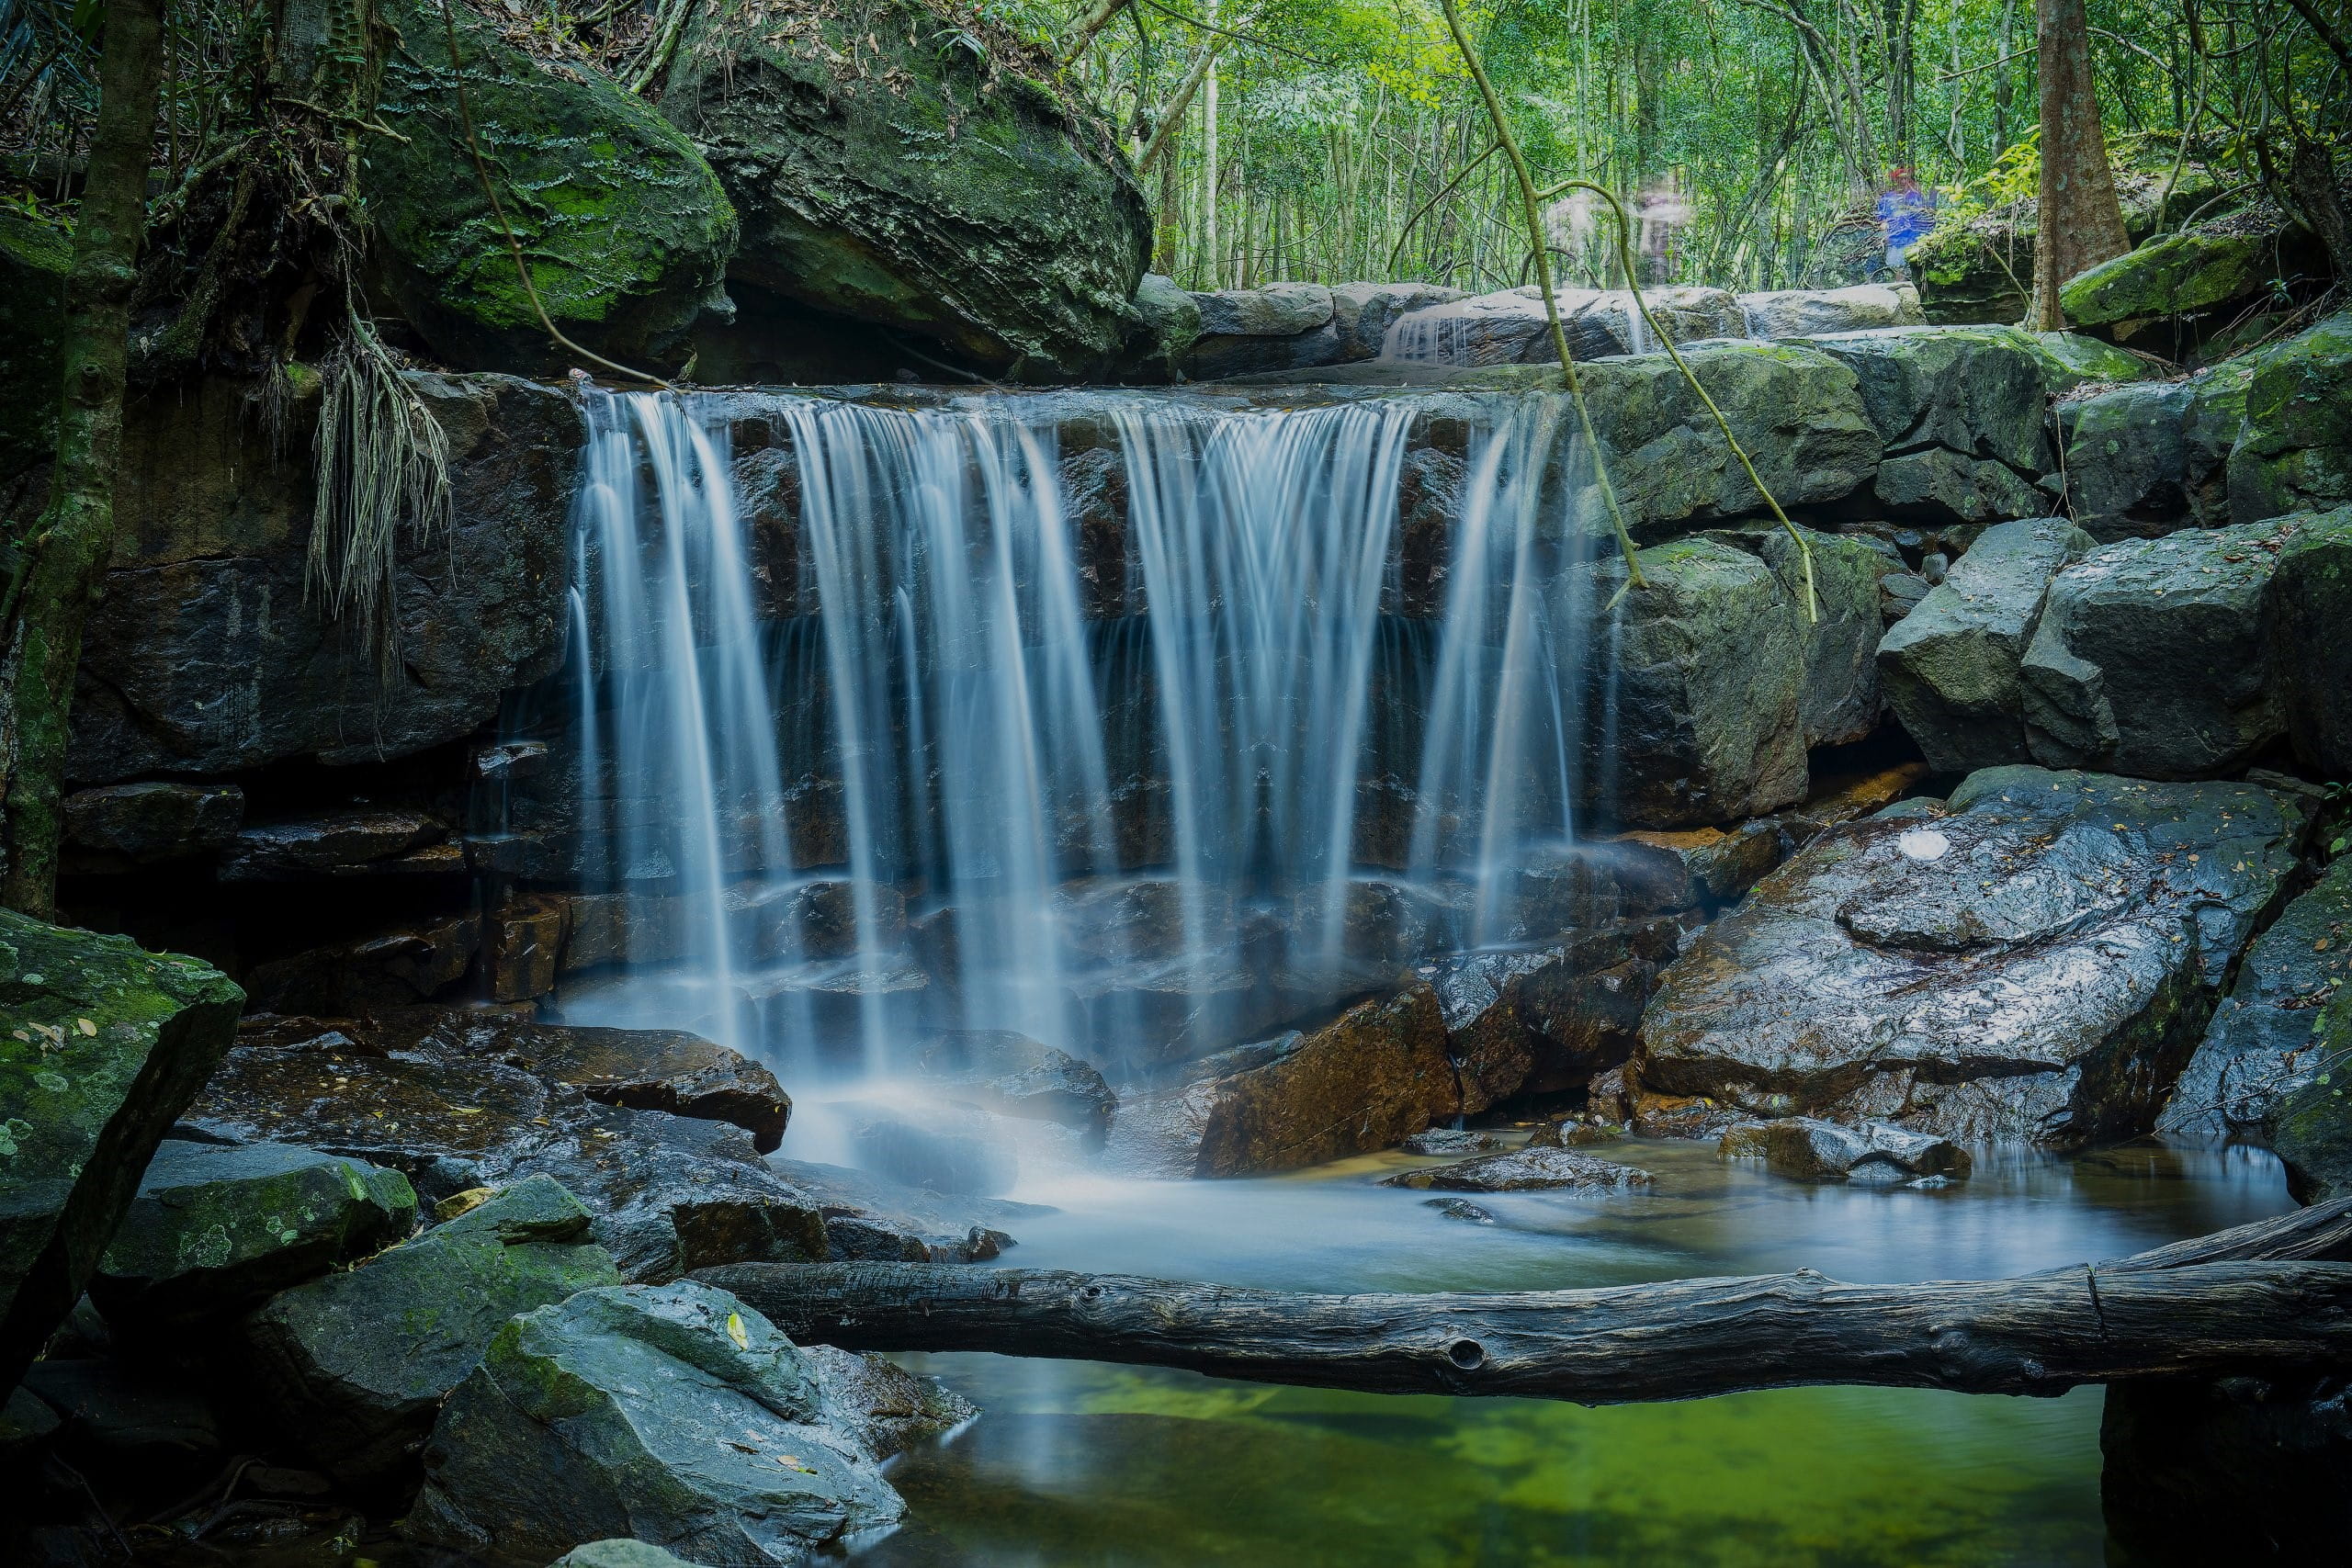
(1079, 1463)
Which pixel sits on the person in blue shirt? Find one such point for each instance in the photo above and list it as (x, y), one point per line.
(1906, 213)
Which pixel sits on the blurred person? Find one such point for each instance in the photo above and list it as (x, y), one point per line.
(1906, 213)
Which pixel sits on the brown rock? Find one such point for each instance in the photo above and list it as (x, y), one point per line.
(526, 940)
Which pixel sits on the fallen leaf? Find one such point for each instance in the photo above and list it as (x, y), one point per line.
(736, 1331)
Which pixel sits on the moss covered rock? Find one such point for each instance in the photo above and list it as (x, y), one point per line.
(625, 229)
(2310, 658)
(2175, 276)
(34, 256)
(890, 168)
(216, 1227)
(2311, 1128)
(101, 1047)
(2294, 449)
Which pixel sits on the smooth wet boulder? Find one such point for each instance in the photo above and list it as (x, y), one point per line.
(674, 1415)
(1709, 672)
(154, 821)
(102, 1046)
(1838, 701)
(352, 1368)
(2035, 961)
(1525, 1171)
(2294, 452)
(207, 656)
(1544, 1019)
(1950, 668)
(1975, 391)
(881, 1404)
(627, 228)
(2176, 275)
(670, 1193)
(893, 169)
(2148, 458)
(1812, 1150)
(868, 1215)
(2268, 1035)
(1367, 1080)
(1807, 312)
(1011, 1074)
(2151, 656)
(2311, 659)
(217, 1228)
(1361, 314)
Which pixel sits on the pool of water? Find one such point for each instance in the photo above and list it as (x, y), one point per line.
(1078, 1463)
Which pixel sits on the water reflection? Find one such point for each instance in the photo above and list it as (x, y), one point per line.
(1078, 1463)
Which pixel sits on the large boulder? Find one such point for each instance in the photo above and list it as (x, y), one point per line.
(1283, 326)
(103, 1048)
(1544, 1019)
(1972, 390)
(217, 1228)
(1950, 668)
(2179, 275)
(2294, 452)
(674, 1415)
(206, 654)
(1361, 314)
(1708, 665)
(1810, 1149)
(353, 1368)
(627, 228)
(2035, 961)
(2152, 656)
(2311, 659)
(1838, 701)
(893, 168)
(1365, 1081)
(2267, 1037)
(1803, 312)
(120, 825)
(2148, 458)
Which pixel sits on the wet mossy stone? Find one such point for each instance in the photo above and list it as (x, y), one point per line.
(102, 1046)
(34, 257)
(353, 1367)
(2312, 1127)
(2294, 450)
(2072, 359)
(2176, 275)
(888, 168)
(674, 1415)
(626, 228)
(2311, 656)
(216, 1227)
(1976, 390)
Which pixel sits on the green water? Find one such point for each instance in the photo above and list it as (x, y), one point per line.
(1078, 1463)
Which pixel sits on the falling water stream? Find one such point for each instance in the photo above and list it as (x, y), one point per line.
(1113, 718)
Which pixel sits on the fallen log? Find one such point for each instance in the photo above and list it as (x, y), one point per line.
(2274, 1294)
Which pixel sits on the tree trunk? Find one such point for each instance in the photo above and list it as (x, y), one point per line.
(2251, 1298)
(59, 565)
(2081, 223)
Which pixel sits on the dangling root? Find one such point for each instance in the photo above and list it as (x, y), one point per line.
(382, 458)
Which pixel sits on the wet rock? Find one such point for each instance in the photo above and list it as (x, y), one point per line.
(1701, 864)
(217, 1228)
(1284, 326)
(1543, 1019)
(524, 944)
(1839, 699)
(938, 1145)
(2311, 1124)
(1972, 390)
(348, 844)
(640, 1070)
(1505, 328)
(629, 227)
(2150, 657)
(1451, 1141)
(1708, 669)
(1575, 1133)
(399, 966)
(2147, 460)
(1611, 323)
(1459, 1209)
(144, 823)
(2036, 963)
(353, 1368)
(1813, 1150)
(673, 1414)
(1140, 918)
(1803, 312)
(1169, 322)
(868, 1215)
(2294, 452)
(1951, 667)
(1361, 314)
(885, 1408)
(101, 1047)
(1370, 1078)
(831, 998)
(669, 1194)
(1938, 484)
(1842, 797)
(1686, 1116)
(204, 656)
(1013, 1075)
(2179, 275)
(2264, 1040)
(1526, 1171)
(2310, 660)
(1379, 923)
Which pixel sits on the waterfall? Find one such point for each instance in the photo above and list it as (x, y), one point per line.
(1138, 723)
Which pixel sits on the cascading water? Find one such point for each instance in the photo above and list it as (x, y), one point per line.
(1140, 724)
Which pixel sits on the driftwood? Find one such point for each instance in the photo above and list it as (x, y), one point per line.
(2271, 1294)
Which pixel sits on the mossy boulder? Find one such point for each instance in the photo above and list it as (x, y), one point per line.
(2311, 1128)
(102, 1046)
(626, 228)
(2294, 450)
(34, 256)
(891, 168)
(674, 1415)
(217, 1228)
(2071, 359)
(2310, 658)
(354, 1367)
(2176, 275)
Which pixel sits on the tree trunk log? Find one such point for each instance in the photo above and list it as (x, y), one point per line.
(2080, 221)
(2264, 1295)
